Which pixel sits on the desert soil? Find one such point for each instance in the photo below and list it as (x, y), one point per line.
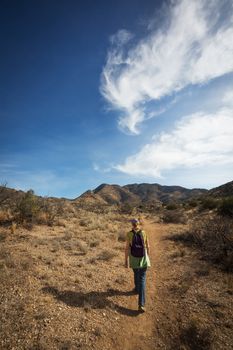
(189, 302)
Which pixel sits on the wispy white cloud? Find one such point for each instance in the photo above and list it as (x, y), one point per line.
(192, 47)
(197, 141)
(101, 168)
(121, 37)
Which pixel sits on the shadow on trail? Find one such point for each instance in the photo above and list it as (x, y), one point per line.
(94, 300)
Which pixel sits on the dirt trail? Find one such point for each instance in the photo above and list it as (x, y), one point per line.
(188, 302)
(140, 330)
(150, 330)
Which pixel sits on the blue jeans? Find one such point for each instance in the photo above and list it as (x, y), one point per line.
(140, 284)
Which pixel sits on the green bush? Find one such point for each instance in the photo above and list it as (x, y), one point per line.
(28, 207)
(226, 207)
(209, 203)
(171, 206)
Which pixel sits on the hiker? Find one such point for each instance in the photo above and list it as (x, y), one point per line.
(137, 257)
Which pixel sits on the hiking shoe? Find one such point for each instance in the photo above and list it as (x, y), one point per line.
(141, 309)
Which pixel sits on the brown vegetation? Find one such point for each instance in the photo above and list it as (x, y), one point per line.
(176, 216)
(213, 237)
(63, 284)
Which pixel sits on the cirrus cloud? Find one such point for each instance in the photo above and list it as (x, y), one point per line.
(197, 141)
(194, 46)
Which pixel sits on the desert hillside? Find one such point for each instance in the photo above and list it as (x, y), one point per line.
(139, 193)
(63, 284)
(223, 190)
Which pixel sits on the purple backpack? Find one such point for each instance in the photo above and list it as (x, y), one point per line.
(137, 246)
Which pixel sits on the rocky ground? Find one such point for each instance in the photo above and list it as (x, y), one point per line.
(65, 287)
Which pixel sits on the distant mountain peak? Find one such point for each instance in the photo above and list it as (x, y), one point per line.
(223, 190)
(139, 193)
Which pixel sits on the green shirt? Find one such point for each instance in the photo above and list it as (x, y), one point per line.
(134, 262)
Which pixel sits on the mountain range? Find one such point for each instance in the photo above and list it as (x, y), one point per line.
(148, 193)
(135, 194)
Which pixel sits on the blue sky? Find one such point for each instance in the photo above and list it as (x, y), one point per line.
(115, 92)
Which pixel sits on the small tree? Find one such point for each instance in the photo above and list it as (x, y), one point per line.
(226, 207)
(28, 207)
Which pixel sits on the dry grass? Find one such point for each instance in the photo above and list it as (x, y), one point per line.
(121, 236)
(176, 216)
(213, 237)
(66, 286)
(60, 222)
(15, 300)
(59, 256)
(94, 243)
(106, 255)
(82, 247)
(181, 286)
(193, 336)
(5, 216)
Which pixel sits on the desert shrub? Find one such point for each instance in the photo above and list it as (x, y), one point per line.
(61, 222)
(28, 207)
(3, 193)
(214, 237)
(174, 216)
(208, 203)
(3, 236)
(106, 255)
(48, 216)
(94, 243)
(5, 216)
(82, 247)
(193, 336)
(50, 211)
(85, 222)
(28, 225)
(171, 206)
(121, 237)
(182, 286)
(127, 208)
(67, 235)
(192, 203)
(226, 207)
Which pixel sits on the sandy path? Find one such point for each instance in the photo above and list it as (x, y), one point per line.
(145, 331)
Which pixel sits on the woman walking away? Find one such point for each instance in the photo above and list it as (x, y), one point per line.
(137, 257)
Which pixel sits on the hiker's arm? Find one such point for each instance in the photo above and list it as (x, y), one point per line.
(127, 254)
(147, 246)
